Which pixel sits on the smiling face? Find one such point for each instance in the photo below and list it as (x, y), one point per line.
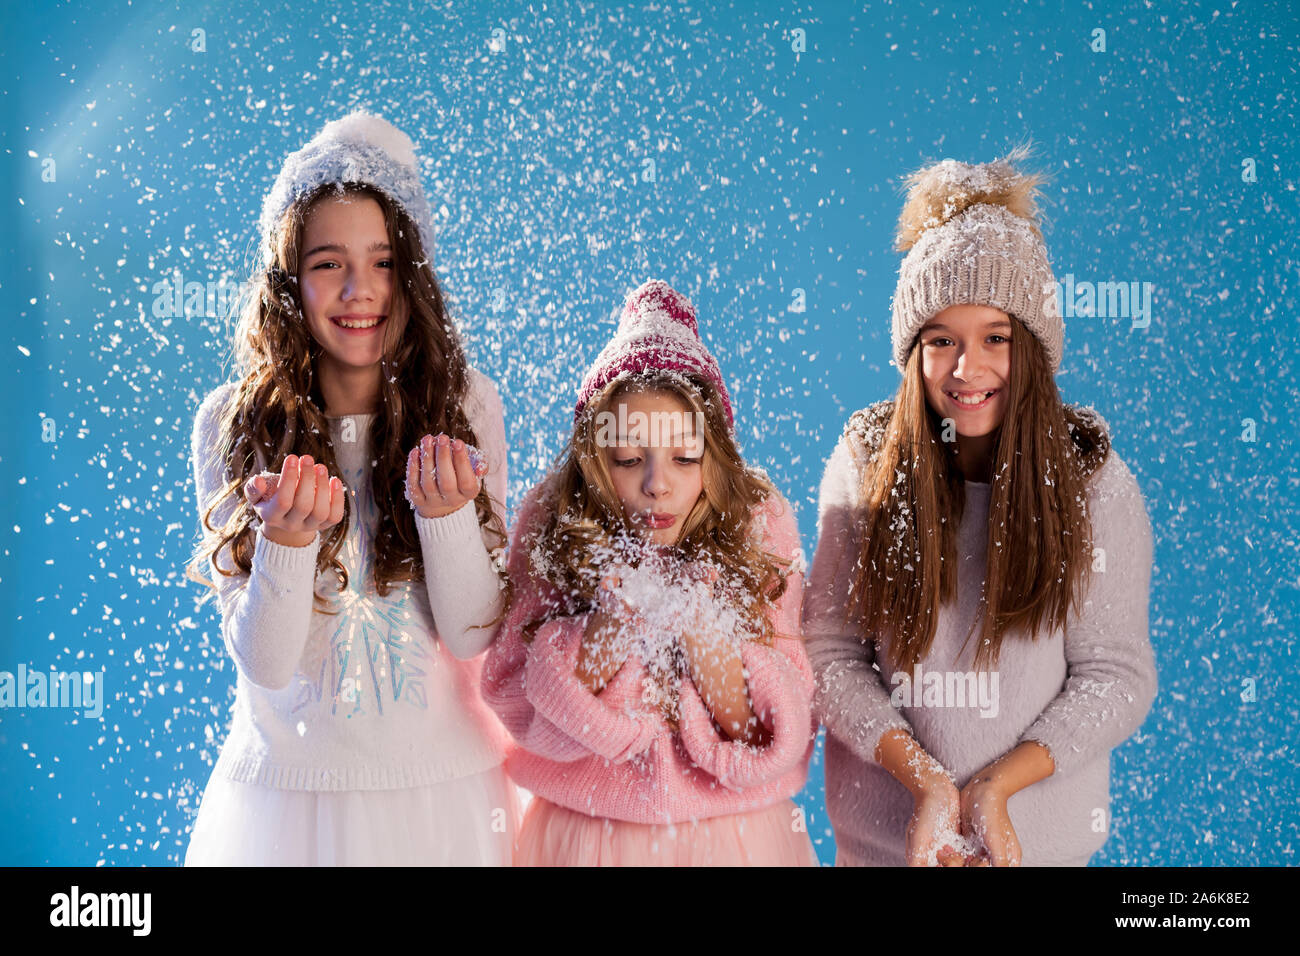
(656, 466)
(345, 280)
(966, 366)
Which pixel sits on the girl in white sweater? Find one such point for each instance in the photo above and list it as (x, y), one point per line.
(977, 610)
(350, 536)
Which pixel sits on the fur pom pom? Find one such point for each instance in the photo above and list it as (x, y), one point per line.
(938, 193)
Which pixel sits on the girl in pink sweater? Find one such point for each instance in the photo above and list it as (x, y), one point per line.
(650, 666)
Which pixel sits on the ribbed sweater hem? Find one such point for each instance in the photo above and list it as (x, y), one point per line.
(266, 773)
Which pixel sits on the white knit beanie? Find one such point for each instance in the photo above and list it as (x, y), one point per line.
(359, 148)
(971, 236)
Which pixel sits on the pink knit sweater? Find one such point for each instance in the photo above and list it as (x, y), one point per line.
(611, 754)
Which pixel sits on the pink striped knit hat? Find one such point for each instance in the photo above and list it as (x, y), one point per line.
(657, 331)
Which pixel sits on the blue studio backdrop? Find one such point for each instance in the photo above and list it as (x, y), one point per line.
(749, 154)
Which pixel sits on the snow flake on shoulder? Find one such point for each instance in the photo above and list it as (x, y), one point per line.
(773, 525)
(1114, 488)
(868, 425)
(539, 502)
(1091, 437)
(1090, 417)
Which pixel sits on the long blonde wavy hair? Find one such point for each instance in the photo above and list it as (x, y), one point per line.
(585, 521)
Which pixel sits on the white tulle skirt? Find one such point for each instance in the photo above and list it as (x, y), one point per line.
(467, 821)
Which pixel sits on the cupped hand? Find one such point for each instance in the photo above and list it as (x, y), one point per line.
(440, 478)
(986, 823)
(933, 833)
(302, 500)
(606, 645)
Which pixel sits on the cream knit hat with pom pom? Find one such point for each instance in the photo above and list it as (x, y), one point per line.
(971, 237)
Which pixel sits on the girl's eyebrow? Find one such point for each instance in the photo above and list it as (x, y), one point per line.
(674, 441)
(940, 327)
(336, 247)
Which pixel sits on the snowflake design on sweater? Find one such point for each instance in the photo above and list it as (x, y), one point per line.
(378, 653)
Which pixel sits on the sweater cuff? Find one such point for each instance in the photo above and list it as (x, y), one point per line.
(502, 688)
(284, 566)
(863, 729)
(554, 690)
(777, 701)
(460, 525)
(1057, 739)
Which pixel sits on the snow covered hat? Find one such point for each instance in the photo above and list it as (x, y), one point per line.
(971, 237)
(657, 331)
(359, 148)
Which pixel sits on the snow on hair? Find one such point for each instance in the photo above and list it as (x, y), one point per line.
(940, 192)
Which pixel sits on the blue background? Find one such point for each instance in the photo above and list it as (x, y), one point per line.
(775, 171)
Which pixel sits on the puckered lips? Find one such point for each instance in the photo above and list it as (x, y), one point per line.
(656, 520)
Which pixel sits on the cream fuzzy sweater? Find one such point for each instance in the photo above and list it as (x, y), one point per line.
(1079, 695)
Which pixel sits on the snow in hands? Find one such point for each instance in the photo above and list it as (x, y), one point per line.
(662, 599)
(435, 491)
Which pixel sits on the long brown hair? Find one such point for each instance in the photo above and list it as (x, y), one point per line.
(585, 519)
(276, 408)
(1039, 530)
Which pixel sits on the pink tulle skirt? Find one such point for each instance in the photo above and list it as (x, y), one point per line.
(552, 835)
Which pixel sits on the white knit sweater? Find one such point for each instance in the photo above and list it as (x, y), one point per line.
(1080, 696)
(377, 696)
